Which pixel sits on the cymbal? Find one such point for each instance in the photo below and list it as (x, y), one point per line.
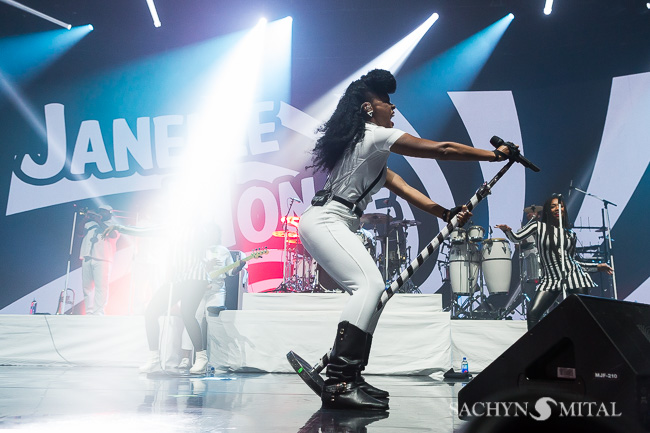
(375, 218)
(405, 223)
(533, 208)
(281, 233)
(291, 220)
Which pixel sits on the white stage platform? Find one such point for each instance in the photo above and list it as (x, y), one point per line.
(413, 337)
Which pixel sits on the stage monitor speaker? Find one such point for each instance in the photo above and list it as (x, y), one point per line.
(588, 348)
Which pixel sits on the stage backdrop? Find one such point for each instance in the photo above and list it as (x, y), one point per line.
(227, 108)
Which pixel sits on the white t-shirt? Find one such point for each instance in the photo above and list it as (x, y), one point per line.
(361, 165)
(93, 245)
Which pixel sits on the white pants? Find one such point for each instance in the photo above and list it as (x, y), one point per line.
(94, 280)
(328, 233)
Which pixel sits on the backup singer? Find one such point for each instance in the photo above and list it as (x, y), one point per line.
(547, 236)
(187, 282)
(354, 150)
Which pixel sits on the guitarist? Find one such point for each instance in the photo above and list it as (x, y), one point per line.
(187, 282)
(216, 257)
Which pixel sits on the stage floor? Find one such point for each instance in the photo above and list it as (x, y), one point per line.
(100, 399)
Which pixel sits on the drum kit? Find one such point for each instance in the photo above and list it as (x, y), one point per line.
(299, 272)
(383, 236)
(474, 262)
(386, 239)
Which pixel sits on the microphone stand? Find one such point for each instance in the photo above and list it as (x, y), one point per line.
(64, 292)
(386, 254)
(285, 248)
(607, 234)
(560, 208)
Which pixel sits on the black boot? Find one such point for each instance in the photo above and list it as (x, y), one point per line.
(365, 386)
(346, 358)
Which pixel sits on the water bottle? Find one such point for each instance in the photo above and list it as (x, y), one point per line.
(32, 308)
(464, 367)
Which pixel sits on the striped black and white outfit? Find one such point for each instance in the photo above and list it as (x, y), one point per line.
(551, 259)
(187, 280)
(575, 278)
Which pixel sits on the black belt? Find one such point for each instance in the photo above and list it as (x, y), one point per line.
(353, 207)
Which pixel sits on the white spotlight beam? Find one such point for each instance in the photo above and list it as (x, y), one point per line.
(391, 59)
(548, 7)
(154, 13)
(37, 13)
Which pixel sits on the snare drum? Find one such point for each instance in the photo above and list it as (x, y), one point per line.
(496, 262)
(475, 234)
(458, 236)
(463, 268)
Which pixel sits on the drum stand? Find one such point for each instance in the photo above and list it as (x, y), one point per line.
(485, 310)
(464, 309)
(519, 301)
(404, 258)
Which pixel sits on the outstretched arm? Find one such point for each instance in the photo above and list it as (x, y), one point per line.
(396, 184)
(409, 145)
(523, 233)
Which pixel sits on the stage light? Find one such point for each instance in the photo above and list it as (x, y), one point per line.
(647, 5)
(455, 69)
(510, 16)
(392, 59)
(442, 85)
(37, 13)
(154, 13)
(24, 56)
(217, 132)
(548, 8)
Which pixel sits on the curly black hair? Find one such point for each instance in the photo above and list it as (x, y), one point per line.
(347, 125)
(548, 218)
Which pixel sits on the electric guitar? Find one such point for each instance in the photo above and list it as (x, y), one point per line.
(255, 254)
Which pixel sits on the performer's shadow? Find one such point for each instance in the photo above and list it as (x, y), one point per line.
(341, 421)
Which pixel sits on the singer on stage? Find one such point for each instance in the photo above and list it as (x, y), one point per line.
(354, 150)
(560, 269)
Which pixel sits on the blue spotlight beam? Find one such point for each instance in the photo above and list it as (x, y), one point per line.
(25, 56)
(454, 70)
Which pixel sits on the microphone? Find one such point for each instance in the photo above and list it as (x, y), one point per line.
(295, 199)
(514, 153)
